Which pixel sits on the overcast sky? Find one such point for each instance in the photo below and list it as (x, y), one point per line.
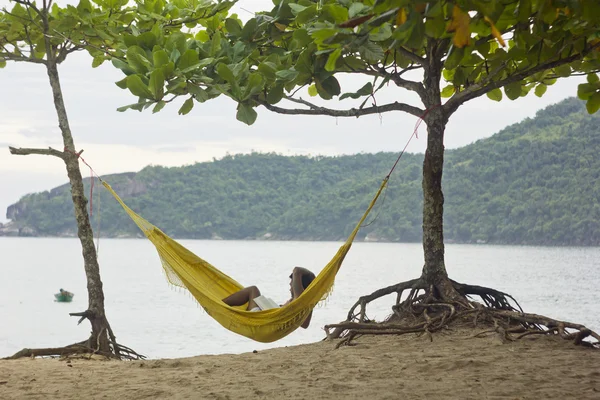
(119, 142)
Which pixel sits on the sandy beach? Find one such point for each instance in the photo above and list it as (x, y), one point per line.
(453, 366)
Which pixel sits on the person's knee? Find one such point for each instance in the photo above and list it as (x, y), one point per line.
(254, 291)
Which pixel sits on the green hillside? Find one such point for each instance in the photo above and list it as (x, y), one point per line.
(535, 182)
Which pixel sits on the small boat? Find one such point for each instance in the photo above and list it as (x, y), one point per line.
(63, 296)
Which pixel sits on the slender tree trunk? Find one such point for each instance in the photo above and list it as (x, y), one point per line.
(99, 339)
(434, 270)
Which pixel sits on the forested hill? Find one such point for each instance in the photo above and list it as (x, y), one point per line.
(535, 182)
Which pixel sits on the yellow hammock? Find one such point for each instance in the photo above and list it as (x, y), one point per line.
(210, 286)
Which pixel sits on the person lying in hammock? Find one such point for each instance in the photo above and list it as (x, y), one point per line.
(300, 279)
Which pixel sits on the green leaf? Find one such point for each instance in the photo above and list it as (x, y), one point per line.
(415, 40)
(147, 40)
(233, 26)
(226, 73)
(188, 59)
(98, 60)
(563, 71)
(328, 88)
(355, 9)
(200, 94)
(296, 8)
(287, 75)
(312, 90)
(366, 90)
(160, 58)
(332, 59)
(138, 88)
(593, 103)
(249, 29)
(122, 83)
(202, 36)
(307, 14)
(268, 69)
(586, 90)
(186, 107)
(176, 41)
(157, 83)
(255, 85)
(372, 52)
(335, 12)
(174, 57)
(2, 62)
(136, 106)
(495, 94)
(275, 95)
(513, 90)
(435, 27)
(246, 114)
(448, 91)
(592, 78)
(540, 89)
(454, 57)
(524, 10)
(123, 66)
(136, 58)
(159, 106)
(215, 45)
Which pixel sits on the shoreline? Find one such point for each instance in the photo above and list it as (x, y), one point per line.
(453, 366)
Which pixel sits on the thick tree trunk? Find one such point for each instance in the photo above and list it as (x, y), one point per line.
(99, 339)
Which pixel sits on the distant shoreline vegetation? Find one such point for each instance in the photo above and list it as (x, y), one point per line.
(533, 183)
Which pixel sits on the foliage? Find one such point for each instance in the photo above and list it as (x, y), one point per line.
(93, 25)
(533, 183)
(476, 46)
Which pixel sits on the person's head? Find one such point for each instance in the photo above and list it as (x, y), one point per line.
(307, 279)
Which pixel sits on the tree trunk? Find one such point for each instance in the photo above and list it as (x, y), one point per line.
(99, 339)
(434, 270)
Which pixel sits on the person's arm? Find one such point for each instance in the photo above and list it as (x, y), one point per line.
(306, 322)
(297, 287)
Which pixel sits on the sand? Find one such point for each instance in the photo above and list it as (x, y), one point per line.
(453, 366)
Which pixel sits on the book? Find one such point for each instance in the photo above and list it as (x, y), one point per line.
(265, 303)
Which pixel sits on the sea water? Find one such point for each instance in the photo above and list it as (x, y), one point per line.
(150, 316)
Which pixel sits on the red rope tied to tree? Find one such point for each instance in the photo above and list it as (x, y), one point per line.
(92, 173)
(414, 134)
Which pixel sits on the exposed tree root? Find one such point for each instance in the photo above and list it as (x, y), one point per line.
(81, 348)
(89, 347)
(427, 309)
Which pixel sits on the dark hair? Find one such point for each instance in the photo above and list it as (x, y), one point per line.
(307, 279)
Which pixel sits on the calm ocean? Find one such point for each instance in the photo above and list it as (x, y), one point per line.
(161, 322)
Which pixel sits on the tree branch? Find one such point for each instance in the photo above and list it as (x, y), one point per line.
(352, 112)
(46, 152)
(479, 89)
(411, 56)
(413, 86)
(13, 57)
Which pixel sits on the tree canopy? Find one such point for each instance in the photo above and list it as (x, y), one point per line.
(482, 47)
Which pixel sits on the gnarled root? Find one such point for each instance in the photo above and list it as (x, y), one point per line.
(104, 344)
(81, 348)
(431, 308)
